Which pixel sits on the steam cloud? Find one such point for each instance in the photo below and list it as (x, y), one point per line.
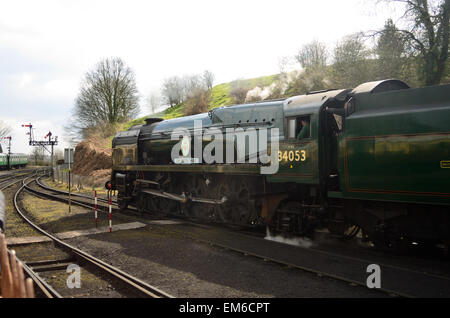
(296, 241)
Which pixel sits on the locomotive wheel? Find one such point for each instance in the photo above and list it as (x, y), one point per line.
(243, 211)
(238, 210)
(224, 212)
(200, 189)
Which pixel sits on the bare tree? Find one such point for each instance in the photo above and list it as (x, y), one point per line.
(313, 55)
(197, 93)
(4, 129)
(176, 90)
(313, 59)
(108, 94)
(153, 102)
(173, 91)
(208, 79)
(191, 84)
(37, 155)
(427, 32)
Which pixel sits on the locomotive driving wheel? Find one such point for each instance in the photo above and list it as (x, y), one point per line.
(200, 189)
(238, 208)
(243, 210)
(224, 212)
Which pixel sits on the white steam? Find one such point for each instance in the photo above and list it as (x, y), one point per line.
(259, 93)
(296, 241)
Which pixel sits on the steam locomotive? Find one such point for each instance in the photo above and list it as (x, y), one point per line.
(376, 158)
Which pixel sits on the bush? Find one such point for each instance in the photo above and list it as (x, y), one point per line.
(198, 102)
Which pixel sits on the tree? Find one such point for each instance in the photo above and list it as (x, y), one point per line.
(176, 90)
(313, 59)
(208, 79)
(427, 33)
(351, 64)
(390, 49)
(313, 55)
(4, 130)
(197, 93)
(153, 102)
(108, 94)
(37, 155)
(172, 91)
(191, 84)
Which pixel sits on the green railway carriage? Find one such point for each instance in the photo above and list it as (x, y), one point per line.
(8, 161)
(377, 158)
(3, 161)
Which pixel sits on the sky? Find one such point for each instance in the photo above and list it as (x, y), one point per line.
(46, 47)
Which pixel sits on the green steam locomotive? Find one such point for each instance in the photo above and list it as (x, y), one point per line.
(375, 158)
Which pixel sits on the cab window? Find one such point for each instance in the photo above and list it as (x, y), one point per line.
(295, 126)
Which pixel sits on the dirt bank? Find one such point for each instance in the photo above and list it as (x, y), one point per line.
(92, 157)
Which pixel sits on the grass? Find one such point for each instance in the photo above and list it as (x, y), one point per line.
(138, 121)
(220, 96)
(174, 111)
(260, 81)
(55, 217)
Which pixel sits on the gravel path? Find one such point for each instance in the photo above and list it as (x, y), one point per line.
(185, 268)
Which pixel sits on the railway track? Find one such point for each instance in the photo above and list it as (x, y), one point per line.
(6, 180)
(132, 285)
(78, 195)
(397, 280)
(76, 198)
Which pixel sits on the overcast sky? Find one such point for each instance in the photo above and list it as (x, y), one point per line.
(47, 46)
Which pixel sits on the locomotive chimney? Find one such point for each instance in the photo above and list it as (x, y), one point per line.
(149, 121)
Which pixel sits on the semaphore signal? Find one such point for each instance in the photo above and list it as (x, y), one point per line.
(42, 143)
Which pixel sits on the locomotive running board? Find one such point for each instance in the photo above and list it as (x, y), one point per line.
(183, 198)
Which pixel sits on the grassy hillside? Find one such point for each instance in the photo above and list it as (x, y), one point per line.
(220, 96)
